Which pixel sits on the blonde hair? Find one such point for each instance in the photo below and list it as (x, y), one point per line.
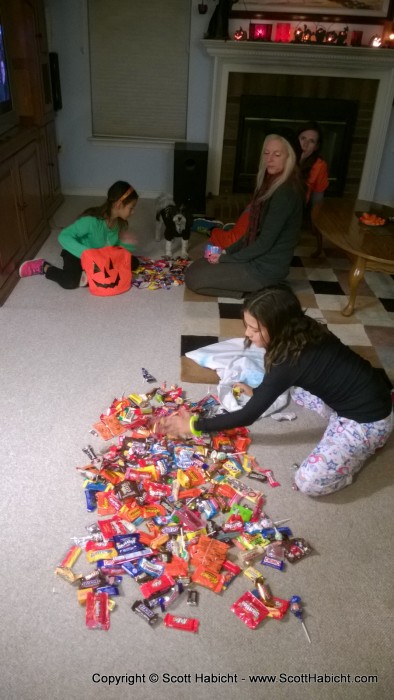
(290, 165)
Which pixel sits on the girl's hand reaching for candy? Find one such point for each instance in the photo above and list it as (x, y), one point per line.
(127, 237)
(241, 388)
(177, 425)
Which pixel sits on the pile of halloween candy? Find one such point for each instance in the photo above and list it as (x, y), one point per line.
(175, 515)
(160, 274)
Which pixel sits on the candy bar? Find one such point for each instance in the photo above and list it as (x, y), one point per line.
(192, 598)
(71, 557)
(146, 613)
(97, 613)
(159, 584)
(274, 563)
(188, 624)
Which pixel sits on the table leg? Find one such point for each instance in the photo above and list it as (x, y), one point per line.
(319, 242)
(355, 277)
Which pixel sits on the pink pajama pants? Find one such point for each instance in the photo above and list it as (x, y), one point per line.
(342, 451)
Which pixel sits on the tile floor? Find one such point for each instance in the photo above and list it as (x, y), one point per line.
(322, 287)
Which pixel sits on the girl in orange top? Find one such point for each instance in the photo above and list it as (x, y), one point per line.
(314, 169)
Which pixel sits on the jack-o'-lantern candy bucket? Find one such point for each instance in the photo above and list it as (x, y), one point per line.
(108, 270)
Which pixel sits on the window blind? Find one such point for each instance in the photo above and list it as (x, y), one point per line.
(139, 59)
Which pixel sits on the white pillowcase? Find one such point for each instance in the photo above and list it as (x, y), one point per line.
(235, 363)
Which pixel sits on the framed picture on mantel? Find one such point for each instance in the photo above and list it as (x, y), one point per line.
(367, 11)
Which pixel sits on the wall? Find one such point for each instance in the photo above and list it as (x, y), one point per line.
(87, 167)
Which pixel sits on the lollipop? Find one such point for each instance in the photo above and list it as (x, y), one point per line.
(295, 607)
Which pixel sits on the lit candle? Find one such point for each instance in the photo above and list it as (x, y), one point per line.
(282, 33)
(376, 41)
(260, 32)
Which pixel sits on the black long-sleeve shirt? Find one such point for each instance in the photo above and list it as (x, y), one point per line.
(330, 370)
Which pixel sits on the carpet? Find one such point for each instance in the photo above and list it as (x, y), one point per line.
(322, 286)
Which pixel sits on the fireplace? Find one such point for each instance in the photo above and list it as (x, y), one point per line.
(260, 115)
(313, 70)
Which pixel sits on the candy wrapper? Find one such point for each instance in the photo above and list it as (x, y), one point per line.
(297, 548)
(187, 624)
(145, 612)
(250, 610)
(97, 613)
(278, 607)
(209, 578)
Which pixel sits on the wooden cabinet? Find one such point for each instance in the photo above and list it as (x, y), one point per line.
(12, 241)
(30, 188)
(31, 206)
(30, 60)
(24, 224)
(50, 168)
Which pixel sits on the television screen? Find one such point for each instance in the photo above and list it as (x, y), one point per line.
(8, 116)
(5, 94)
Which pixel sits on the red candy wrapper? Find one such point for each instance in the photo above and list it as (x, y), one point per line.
(97, 612)
(159, 584)
(250, 610)
(188, 624)
(111, 527)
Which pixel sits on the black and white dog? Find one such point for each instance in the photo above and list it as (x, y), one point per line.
(177, 220)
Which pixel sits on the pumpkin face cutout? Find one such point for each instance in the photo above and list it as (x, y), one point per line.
(108, 270)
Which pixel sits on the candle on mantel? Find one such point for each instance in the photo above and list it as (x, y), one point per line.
(260, 32)
(282, 32)
(375, 41)
(357, 38)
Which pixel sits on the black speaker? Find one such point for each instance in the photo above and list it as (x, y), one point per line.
(55, 81)
(190, 175)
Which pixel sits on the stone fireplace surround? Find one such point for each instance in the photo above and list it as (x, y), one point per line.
(295, 59)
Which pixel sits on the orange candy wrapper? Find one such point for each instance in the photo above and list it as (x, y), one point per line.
(209, 553)
(109, 427)
(209, 578)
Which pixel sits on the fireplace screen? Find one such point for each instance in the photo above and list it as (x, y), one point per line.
(261, 115)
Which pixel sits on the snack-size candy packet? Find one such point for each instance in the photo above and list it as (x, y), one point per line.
(250, 610)
(97, 613)
(297, 548)
(278, 607)
(112, 526)
(188, 624)
(159, 584)
(209, 578)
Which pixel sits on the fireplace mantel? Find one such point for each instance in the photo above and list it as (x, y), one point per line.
(301, 59)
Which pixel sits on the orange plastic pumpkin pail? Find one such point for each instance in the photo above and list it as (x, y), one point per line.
(108, 270)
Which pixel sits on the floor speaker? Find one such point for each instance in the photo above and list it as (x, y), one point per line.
(55, 81)
(190, 174)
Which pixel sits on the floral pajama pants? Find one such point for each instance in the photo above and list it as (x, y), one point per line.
(342, 451)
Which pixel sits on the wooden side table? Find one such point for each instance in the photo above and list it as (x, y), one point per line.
(370, 247)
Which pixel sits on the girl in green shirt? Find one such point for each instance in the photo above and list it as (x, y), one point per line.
(97, 227)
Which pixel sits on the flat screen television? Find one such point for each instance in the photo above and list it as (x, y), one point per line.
(8, 116)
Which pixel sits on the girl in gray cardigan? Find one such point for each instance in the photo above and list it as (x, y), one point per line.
(263, 255)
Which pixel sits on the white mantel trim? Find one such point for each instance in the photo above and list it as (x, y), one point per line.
(301, 59)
